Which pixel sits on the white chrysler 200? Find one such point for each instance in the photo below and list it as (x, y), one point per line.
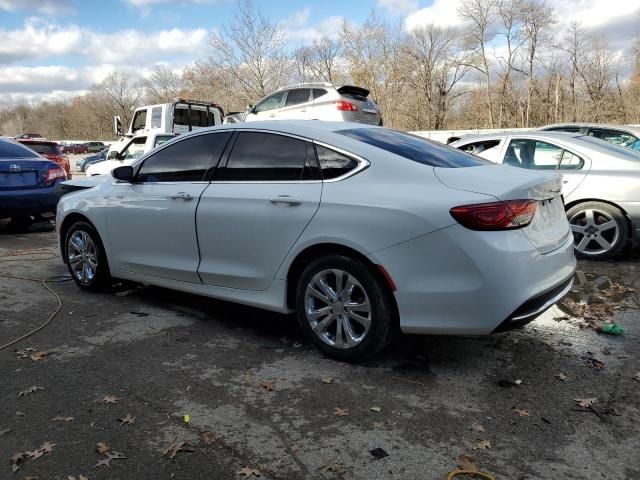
(359, 229)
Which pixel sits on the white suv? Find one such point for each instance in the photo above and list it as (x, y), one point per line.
(317, 101)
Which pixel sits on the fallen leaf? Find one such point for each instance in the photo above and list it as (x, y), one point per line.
(16, 459)
(29, 391)
(605, 351)
(341, 412)
(375, 409)
(637, 376)
(477, 428)
(268, 386)
(103, 462)
(585, 402)
(333, 467)
(81, 477)
(561, 376)
(62, 419)
(37, 356)
(378, 424)
(327, 380)
(378, 453)
(247, 378)
(25, 353)
(521, 413)
(172, 450)
(482, 445)
(127, 420)
(34, 454)
(465, 462)
(249, 472)
(518, 382)
(115, 455)
(209, 437)
(110, 399)
(102, 447)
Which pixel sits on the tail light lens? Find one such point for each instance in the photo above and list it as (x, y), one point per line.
(507, 215)
(55, 173)
(345, 106)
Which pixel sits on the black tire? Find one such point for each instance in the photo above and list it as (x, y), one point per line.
(587, 244)
(382, 316)
(101, 278)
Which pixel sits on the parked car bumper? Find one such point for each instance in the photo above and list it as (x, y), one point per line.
(29, 202)
(458, 281)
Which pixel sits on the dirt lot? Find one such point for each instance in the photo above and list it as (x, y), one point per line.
(256, 398)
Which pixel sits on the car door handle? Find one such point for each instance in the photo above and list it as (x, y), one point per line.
(181, 196)
(286, 199)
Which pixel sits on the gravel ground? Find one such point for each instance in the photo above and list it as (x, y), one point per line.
(259, 398)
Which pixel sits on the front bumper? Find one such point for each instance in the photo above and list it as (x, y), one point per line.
(458, 281)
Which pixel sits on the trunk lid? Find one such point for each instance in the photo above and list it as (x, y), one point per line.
(22, 173)
(549, 228)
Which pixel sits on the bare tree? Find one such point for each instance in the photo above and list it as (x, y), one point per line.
(537, 19)
(596, 71)
(479, 14)
(121, 92)
(251, 50)
(319, 61)
(163, 85)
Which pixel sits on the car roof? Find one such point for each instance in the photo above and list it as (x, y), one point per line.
(36, 141)
(303, 128)
(630, 128)
(526, 134)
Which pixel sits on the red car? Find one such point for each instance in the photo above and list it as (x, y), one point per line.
(76, 148)
(49, 150)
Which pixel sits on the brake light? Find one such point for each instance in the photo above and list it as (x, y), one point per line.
(345, 106)
(507, 215)
(55, 173)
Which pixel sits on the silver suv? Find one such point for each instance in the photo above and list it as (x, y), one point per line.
(317, 101)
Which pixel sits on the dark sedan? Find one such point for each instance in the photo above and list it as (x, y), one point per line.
(28, 183)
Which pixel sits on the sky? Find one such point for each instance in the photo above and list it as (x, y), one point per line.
(53, 49)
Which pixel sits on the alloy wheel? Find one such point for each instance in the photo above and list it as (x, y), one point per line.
(594, 231)
(337, 308)
(82, 256)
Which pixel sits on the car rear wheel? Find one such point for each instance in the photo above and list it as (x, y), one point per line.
(600, 231)
(86, 258)
(344, 309)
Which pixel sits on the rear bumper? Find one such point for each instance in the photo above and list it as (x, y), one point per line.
(29, 202)
(458, 281)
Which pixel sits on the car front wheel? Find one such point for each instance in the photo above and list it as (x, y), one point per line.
(600, 231)
(344, 308)
(85, 257)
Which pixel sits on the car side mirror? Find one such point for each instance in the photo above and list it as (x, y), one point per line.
(124, 173)
(117, 125)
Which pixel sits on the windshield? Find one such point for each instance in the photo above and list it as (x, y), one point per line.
(414, 148)
(15, 150)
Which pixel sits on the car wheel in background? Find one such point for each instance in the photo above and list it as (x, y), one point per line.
(344, 309)
(85, 257)
(600, 231)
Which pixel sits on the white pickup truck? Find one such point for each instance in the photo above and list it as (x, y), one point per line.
(133, 149)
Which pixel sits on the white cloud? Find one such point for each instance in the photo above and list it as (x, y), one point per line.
(41, 39)
(297, 19)
(399, 7)
(50, 7)
(440, 12)
(148, 3)
(329, 27)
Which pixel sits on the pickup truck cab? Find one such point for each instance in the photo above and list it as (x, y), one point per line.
(127, 151)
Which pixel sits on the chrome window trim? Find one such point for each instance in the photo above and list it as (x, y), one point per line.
(362, 162)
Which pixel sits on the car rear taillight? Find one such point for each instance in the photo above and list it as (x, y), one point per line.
(345, 106)
(507, 215)
(55, 173)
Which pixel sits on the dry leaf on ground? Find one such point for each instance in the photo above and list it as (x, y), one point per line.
(110, 399)
(585, 402)
(482, 445)
(465, 462)
(476, 427)
(333, 467)
(375, 408)
(177, 446)
(378, 424)
(25, 353)
(102, 447)
(521, 413)
(327, 380)
(249, 472)
(29, 391)
(561, 376)
(268, 386)
(81, 477)
(62, 419)
(637, 376)
(16, 459)
(127, 420)
(209, 437)
(37, 356)
(341, 412)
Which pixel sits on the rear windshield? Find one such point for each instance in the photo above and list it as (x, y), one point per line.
(414, 148)
(631, 152)
(15, 150)
(354, 93)
(44, 148)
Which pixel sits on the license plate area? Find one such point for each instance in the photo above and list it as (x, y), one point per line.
(21, 179)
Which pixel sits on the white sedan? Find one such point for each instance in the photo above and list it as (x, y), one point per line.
(360, 230)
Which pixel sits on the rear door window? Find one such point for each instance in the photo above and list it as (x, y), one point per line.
(532, 154)
(413, 147)
(184, 161)
(260, 156)
(297, 96)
